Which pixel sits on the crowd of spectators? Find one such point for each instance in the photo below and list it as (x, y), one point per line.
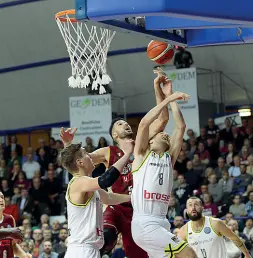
(216, 166)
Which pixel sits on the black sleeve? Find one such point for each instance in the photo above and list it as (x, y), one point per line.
(108, 178)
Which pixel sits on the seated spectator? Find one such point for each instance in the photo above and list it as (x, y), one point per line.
(237, 139)
(47, 236)
(5, 189)
(182, 192)
(228, 217)
(192, 177)
(11, 209)
(13, 176)
(185, 148)
(208, 172)
(13, 146)
(237, 208)
(174, 208)
(242, 181)
(212, 129)
(197, 165)
(175, 179)
(14, 157)
(245, 195)
(181, 162)
(230, 154)
(60, 246)
(56, 226)
(226, 134)
(249, 169)
(16, 196)
(89, 144)
(4, 173)
(204, 155)
(29, 151)
(235, 170)
(215, 189)
(213, 148)
(192, 148)
(43, 160)
(210, 208)
(102, 143)
(248, 230)
(47, 251)
(249, 205)
(248, 145)
(244, 156)
(30, 167)
(22, 182)
(25, 204)
(227, 184)
(203, 190)
(44, 219)
(53, 152)
(221, 167)
(178, 222)
(202, 137)
(38, 238)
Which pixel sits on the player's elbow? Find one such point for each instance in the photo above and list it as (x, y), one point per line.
(144, 123)
(181, 126)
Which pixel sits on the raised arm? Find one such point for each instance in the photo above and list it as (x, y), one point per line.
(113, 198)
(160, 123)
(88, 184)
(13, 233)
(142, 138)
(221, 228)
(178, 133)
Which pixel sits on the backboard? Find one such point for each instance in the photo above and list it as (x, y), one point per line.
(190, 23)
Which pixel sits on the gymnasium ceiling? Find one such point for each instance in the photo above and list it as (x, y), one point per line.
(40, 95)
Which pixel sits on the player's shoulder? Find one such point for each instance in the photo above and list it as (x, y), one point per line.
(182, 233)
(216, 223)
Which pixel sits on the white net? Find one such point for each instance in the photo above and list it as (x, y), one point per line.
(87, 47)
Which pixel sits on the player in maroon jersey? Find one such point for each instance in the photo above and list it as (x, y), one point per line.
(8, 245)
(117, 218)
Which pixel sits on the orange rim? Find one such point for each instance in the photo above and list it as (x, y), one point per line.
(62, 16)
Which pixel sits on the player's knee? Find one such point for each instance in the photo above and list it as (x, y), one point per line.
(110, 238)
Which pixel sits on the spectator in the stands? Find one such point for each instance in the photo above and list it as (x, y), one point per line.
(53, 153)
(249, 169)
(30, 167)
(53, 189)
(56, 226)
(178, 222)
(226, 134)
(202, 136)
(249, 205)
(241, 182)
(43, 160)
(175, 179)
(190, 134)
(192, 177)
(42, 144)
(16, 196)
(221, 167)
(248, 230)
(6, 189)
(230, 154)
(212, 129)
(13, 146)
(102, 143)
(3, 170)
(174, 208)
(235, 170)
(210, 208)
(243, 128)
(38, 238)
(47, 251)
(14, 157)
(11, 209)
(192, 148)
(22, 182)
(226, 183)
(237, 208)
(182, 192)
(181, 162)
(248, 145)
(213, 149)
(244, 155)
(89, 144)
(13, 176)
(47, 236)
(60, 246)
(203, 190)
(197, 165)
(204, 155)
(215, 189)
(185, 149)
(237, 139)
(30, 151)
(25, 204)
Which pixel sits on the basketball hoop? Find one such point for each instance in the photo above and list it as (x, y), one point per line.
(87, 48)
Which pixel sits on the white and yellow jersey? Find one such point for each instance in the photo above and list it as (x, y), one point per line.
(206, 242)
(85, 221)
(152, 185)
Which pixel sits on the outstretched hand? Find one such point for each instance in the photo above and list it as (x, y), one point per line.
(180, 96)
(68, 135)
(161, 76)
(167, 87)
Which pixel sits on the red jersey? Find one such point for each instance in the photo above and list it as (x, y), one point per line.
(6, 250)
(124, 183)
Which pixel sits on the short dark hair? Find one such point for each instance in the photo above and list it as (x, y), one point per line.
(69, 155)
(195, 198)
(113, 122)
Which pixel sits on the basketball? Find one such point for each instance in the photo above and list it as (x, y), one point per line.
(160, 52)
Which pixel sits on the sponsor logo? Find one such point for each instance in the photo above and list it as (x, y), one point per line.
(84, 103)
(161, 165)
(207, 230)
(199, 242)
(175, 239)
(156, 196)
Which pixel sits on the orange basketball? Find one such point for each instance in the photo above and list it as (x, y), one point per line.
(160, 52)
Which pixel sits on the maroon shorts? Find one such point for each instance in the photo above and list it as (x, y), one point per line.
(119, 217)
